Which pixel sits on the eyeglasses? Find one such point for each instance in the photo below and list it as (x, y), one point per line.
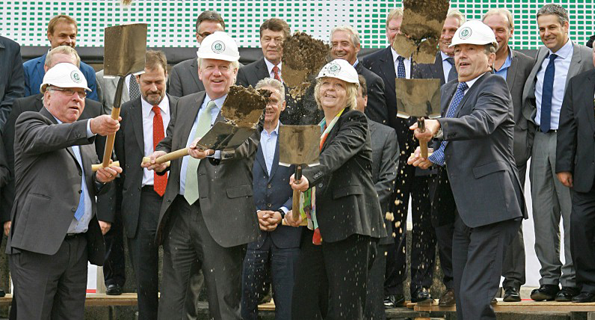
(70, 92)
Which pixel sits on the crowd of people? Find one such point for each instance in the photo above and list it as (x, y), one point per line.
(224, 218)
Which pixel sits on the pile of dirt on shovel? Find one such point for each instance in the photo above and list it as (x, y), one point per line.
(243, 107)
(303, 57)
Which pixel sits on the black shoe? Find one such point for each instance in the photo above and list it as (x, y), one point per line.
(567, 293)
(511, 294)
(447, 299)
(584, 297)
(422, 296)
(546, 292)
(113, 290)
(394, 301)
(2, 293)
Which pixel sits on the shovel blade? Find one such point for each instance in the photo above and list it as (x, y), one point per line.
(418, 97)
(125, 48)
(299, 144)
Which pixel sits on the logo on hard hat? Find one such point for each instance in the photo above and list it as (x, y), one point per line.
(75, 76)
(333, 68)
(218, 46)
(465, 33)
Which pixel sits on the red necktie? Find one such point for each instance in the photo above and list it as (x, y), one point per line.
(158, 134)
(276, 73)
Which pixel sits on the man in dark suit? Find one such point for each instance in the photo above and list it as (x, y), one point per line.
(277, 249)
(556, 63)
(35, 103)
(409, 183)
(345, 44)
(385, 152)
(12, 81)
(183, 79)
(514, 67)
(444, 69)
(208, 210)
(475, 134)
(53, 157)
(62, 31)
(142, 129)
(575, 169)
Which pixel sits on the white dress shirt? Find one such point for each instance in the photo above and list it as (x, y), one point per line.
(406, 62)
(148, 114)
(270, 67)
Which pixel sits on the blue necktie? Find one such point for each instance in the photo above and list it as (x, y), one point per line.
(452, 74)
(401, 68)
(546, 96)
(438, 156)
(80, 210)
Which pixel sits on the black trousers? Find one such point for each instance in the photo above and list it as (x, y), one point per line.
(188, 241)
(477, 264)
(331, 279)
(374, 309)
(582, 238)
(424, 237)
(114, 267)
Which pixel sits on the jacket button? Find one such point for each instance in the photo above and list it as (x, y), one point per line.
(269, 205)
(73, 209)
(269, 186)
(80, 191)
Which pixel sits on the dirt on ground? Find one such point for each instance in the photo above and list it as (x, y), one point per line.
(421, 29)
(303, 57)
(243, 107)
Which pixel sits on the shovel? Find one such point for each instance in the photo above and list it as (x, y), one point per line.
(125, 48)
(418, 98)
(299, 146)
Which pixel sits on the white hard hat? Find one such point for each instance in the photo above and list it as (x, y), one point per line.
(64, 75)
(474, 32)
(339, 69)
(219, 46)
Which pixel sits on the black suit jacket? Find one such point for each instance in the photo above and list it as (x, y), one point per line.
(432, 71)
(35, 103)
(271, 192)
(225, 186)
(575, 150)
(12, 76)
(385, 156)
(183, 79)
(252, 73)
(381, 63)
(130, 150)
(376, 109)
(48, 180)
(346, 202)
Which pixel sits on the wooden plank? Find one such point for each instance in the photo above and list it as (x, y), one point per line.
(94, 300)
(520, 307)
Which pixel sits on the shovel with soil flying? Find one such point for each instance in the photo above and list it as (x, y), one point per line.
(242, 110)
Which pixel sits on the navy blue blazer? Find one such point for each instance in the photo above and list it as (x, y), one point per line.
(271, 193)
(12, 82)
(34, 77)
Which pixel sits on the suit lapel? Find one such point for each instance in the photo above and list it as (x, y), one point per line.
(260, 160)
(194, 66)
(188, 118)
(589, 96)
(275, 164)
(39, 67)
(575, 63)
(136, 113)
(48, 115)
(470, 92)
(511, 74)
(438, 66)
(262, 70)
(388, 68)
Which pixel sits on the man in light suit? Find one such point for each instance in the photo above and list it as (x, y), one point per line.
(62, 31)
(183, 79)
(53, 157)
(475, 151)
(208, 210)
(345, 44)
(106, 90)
(557, 62)
(514, 67)
(277, 249)
(575, 169)
(385, 152)
(12, 81)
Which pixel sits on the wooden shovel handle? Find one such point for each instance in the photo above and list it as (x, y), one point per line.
(295, 207)
(109, 144)
(423, 145)
(168, 156)
(96, 167)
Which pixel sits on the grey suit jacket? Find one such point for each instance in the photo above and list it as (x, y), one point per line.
(517, 75)
(581, 61)
(385, 156)
(479, 161)
(130, 149)
(575, 150)
(183, 79)
(48, 180)
(225, 186)
(106, 91)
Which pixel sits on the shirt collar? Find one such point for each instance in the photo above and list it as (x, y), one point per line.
(163, 105)
(276, 131)
(445, 56)
(219, 101)
(471, 82)
(396, 55)
(270, 65)
(565, 51)
(507, 63)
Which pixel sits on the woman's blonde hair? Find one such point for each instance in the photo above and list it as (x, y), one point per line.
(351, 95)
